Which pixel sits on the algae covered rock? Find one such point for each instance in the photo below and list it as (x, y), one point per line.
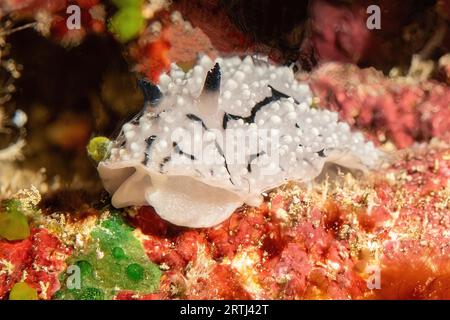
(113, 260)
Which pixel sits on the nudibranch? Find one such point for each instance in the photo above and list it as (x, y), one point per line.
(218, 136)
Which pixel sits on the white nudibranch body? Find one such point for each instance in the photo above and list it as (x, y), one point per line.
(216, 137)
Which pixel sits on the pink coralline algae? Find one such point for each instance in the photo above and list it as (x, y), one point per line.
(388, 109)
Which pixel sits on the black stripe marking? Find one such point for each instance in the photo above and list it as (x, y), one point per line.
(161, 165)
(146, 158)
(227, 117)
(251, 158)
(280, 94)
(276, 95)
(179, 151)
(149, 142)
(321, 153)
(219, 149)
(193, 117)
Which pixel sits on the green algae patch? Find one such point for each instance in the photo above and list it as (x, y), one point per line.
(113, 260)
(13, 222)
(22, 291)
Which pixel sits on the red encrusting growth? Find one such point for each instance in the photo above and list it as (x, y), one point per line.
(388, 110)
(37, 261)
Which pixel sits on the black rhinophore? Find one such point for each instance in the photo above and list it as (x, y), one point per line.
(151, 92)
(212, 81)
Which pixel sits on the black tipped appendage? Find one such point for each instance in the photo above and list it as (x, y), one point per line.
(151, 92)
(212, 81)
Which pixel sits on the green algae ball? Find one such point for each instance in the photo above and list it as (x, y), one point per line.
(127, 23)
(98, 148)
(127, 3)
(22, 291)
(91, 294)
(86, 269)
(118, 253)
(14, 225)
(135, 272)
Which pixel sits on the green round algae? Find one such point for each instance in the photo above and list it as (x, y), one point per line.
(86, 268)
(127, 23)
(118, 253)
(13, 223)
(22, 291)
(98, 148)
(135, 272)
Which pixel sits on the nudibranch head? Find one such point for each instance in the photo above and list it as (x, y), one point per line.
(216, 137)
